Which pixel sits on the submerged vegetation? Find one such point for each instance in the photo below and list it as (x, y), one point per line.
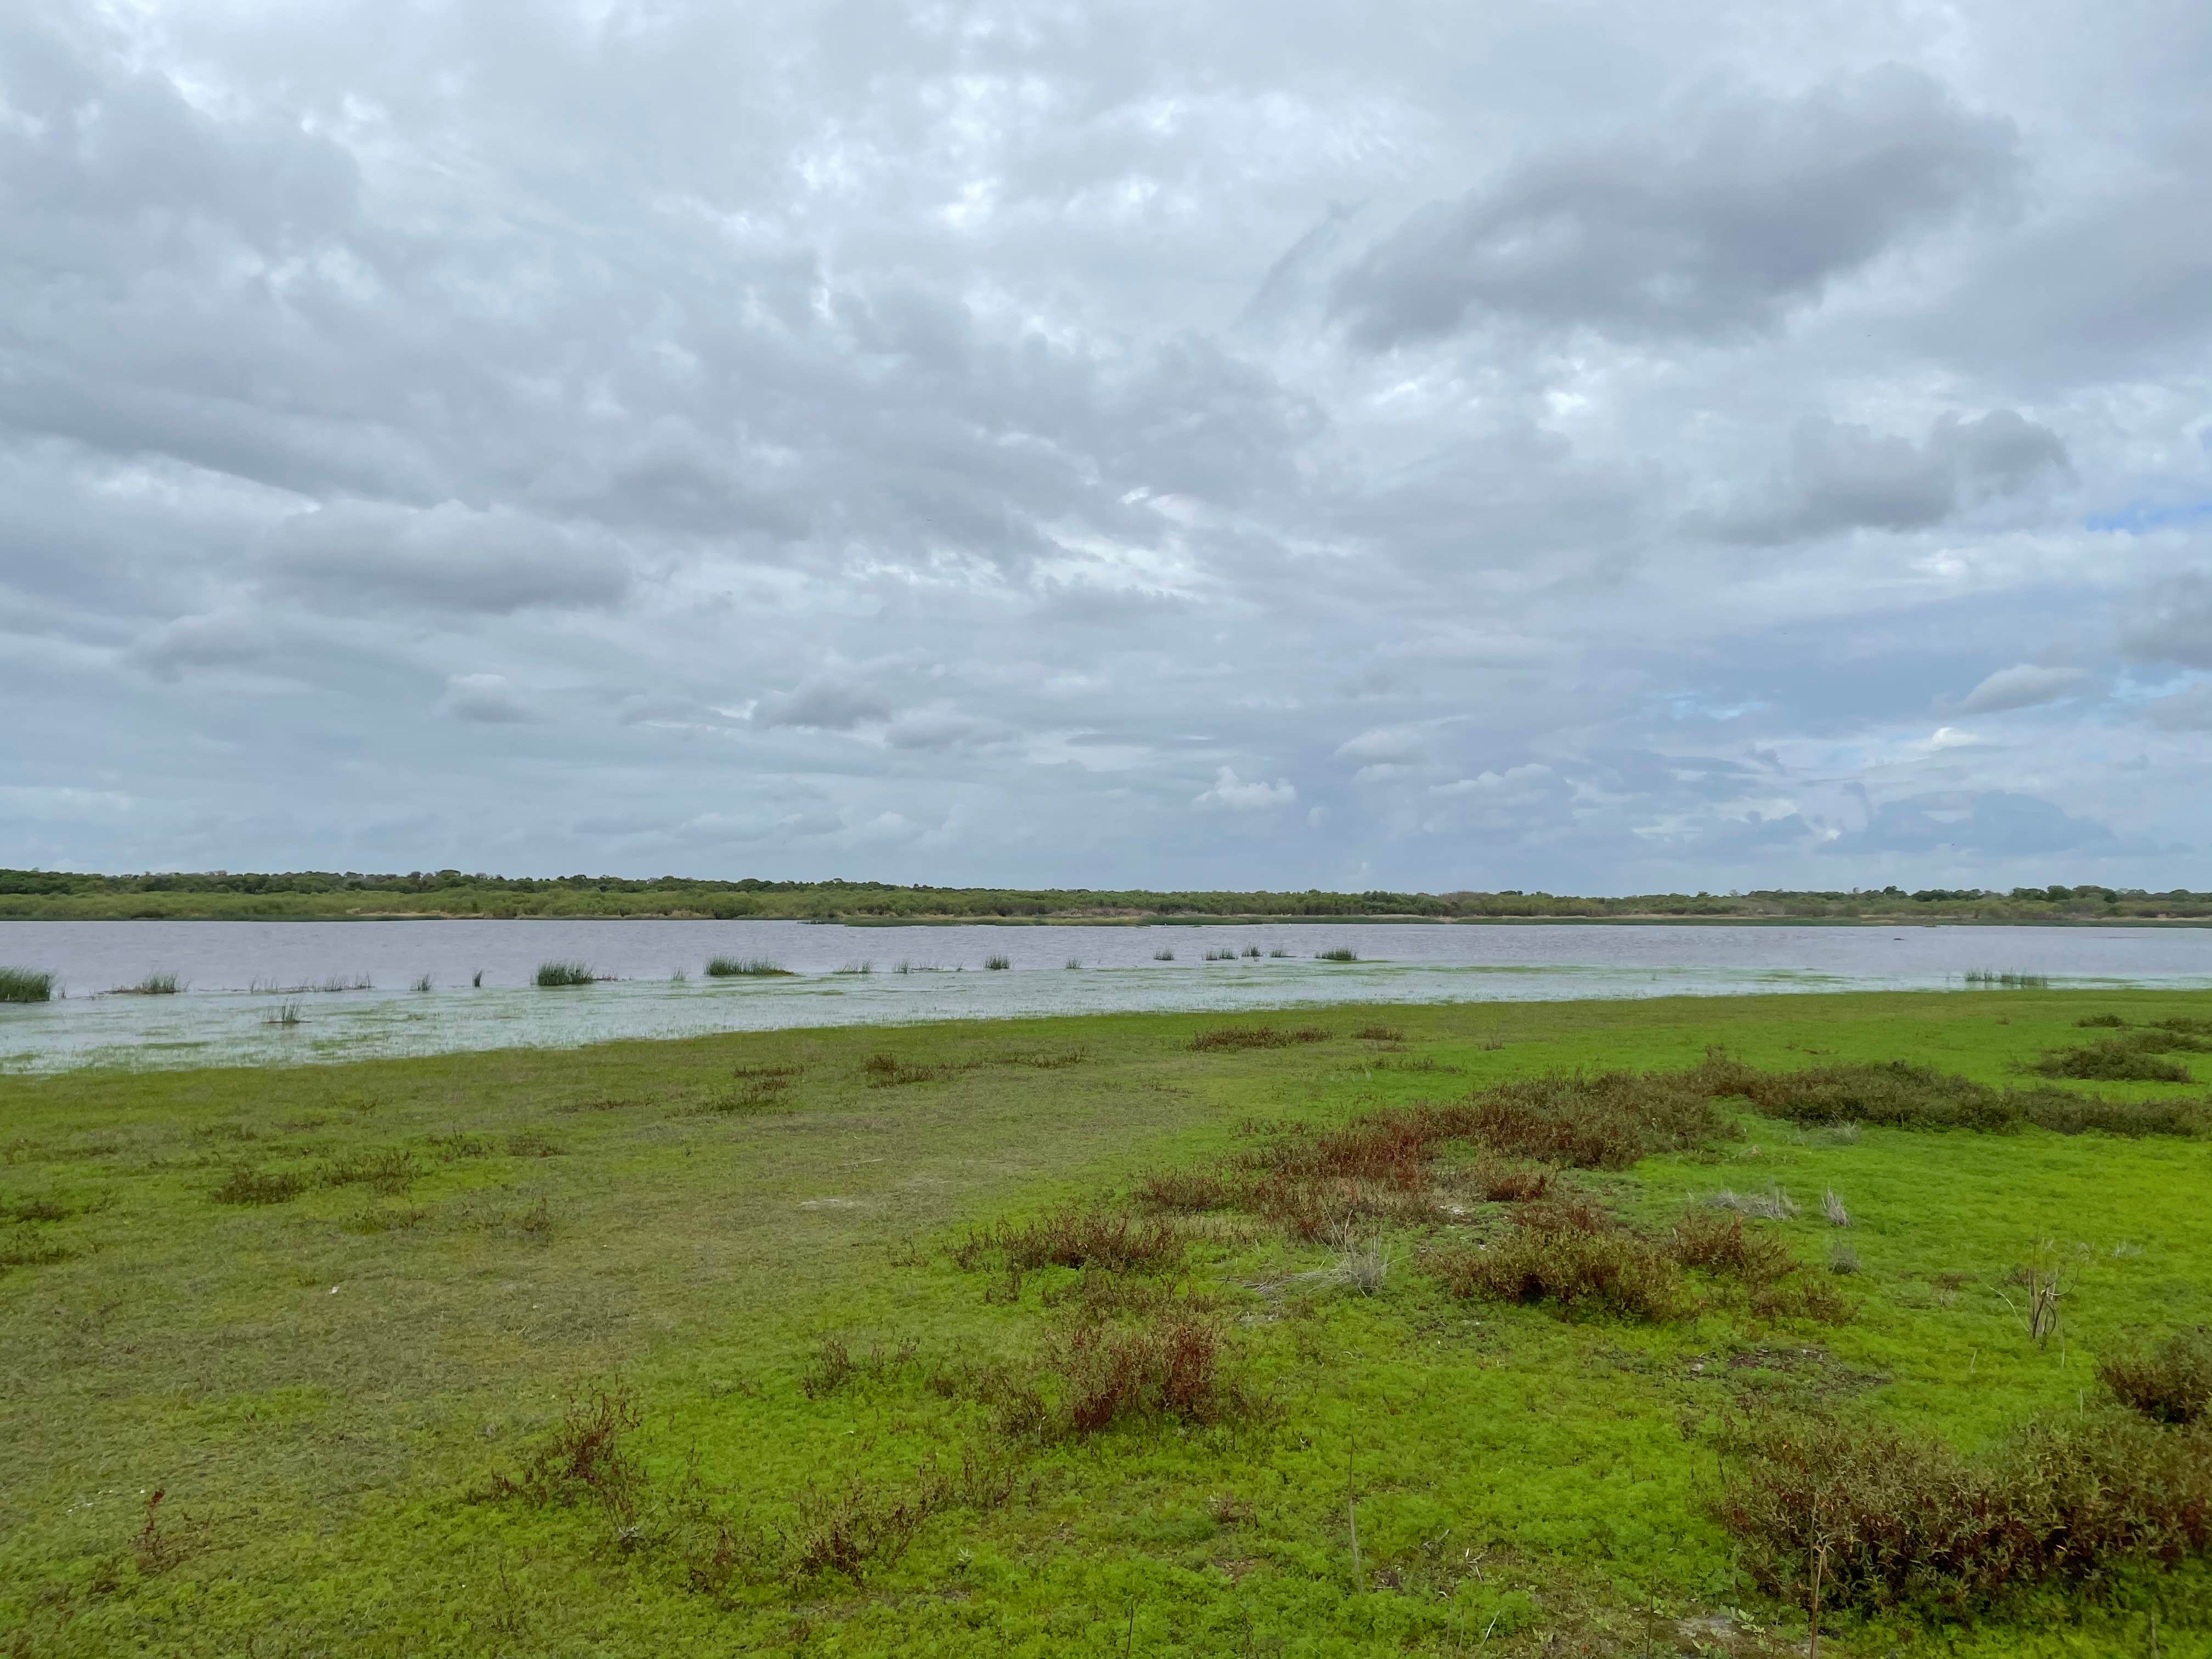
(1517, 1329)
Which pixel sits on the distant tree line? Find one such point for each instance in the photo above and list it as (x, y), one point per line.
(317, 894)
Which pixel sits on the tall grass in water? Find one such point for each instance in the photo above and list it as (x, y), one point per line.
(154, 985)
(1164, 955)
(423, 984)
(997, 964)
(26, 985)
(1221, 955)
(288, 1014)
(1991, 979)
(1337, 953)
(745, 967)
(1075, 962)
(857, 968)
(553, 974)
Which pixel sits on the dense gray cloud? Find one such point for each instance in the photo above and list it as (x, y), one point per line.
(1843, 476)
(1107, 445)
(1723, 213)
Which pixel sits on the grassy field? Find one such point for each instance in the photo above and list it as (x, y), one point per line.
(747, 1344)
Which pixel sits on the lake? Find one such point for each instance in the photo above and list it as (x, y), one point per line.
(238, 975)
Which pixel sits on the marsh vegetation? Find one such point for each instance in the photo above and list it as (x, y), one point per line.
(1518, 1329)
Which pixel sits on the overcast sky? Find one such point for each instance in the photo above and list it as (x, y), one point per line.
(1602, 447)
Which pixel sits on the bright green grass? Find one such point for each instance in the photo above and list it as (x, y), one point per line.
(320, 1385)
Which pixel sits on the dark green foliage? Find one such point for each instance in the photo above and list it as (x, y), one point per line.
(1897, 1521)
(2109, 1022)
(2116, 1060)
(1338, 953)
(2170, 1383)
(551, 974)
(997, 963)
(1900, 1095)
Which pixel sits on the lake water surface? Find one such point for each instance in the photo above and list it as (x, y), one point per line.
(237, 974)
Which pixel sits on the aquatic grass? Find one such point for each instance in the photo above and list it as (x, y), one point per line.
(997, 964)
(1279, 953)
(1221, 955)
(1073, 962)
(26, 985)
(554, 975)
(860, 969)
(335, 984)
(1162, 955)
(153, 985)
(1337, 953)
(1994, 979)
(287, 1013)
(1253, 951)
(747, 968)
(423, 985)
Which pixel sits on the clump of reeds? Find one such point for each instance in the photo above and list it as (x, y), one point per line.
(857, 968)
(153, 985)
(1164, 955)
(2170, 1383)
(1279, 951)
(997, 963)
(552, 975)
(1074, 962)
(1337, 953)
(1257, 1037)
(1831, 1206)
(1362, 1264)
(26, 985)
(423, 985)
(1252, 951)
(744, 967)
(1857, 1514)
(1994, 978)
(287, 1013)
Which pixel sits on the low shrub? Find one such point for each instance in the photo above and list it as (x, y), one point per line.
(1187, 1191)
(1572, 1255)
(2110, 1022)
(586, 1455)
(2170, 1383)
(1077, 1236)
(1890, 1520)
(1257, 1037)
(247, 1185)
(2115, 1060)
(1170, 1365)
(1899, 1095)
(1379, 1034)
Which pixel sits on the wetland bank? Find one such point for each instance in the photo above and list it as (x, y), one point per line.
(1604, 1327)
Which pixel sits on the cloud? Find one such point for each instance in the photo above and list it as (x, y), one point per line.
(2024, 685)
(1229, 793)
(1381, 744)
(222, 640)
(2186, 710)
(448, 557)
(2174, 623)
(822, 703)
(1842, 476)
(483, 700)
(1997, 822)
(1717, 220)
